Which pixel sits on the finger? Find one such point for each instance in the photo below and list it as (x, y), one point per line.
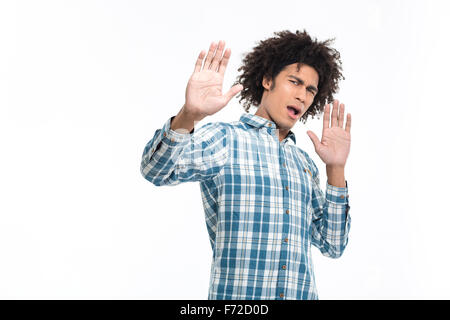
(314, 139)
(224, 62)
(348, 124)
(326, 117)
(198, 63)
(217, 56)
(341, 115)
(234, 90)
(210, 55)
(334, 113)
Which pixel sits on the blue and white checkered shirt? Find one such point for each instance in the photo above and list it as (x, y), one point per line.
(263, 205)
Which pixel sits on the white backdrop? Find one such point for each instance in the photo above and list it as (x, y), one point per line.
(85, 84)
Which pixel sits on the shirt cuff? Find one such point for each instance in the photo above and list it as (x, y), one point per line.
(337, 195)
(172, 137)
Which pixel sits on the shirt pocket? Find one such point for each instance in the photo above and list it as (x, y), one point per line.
(301, 177)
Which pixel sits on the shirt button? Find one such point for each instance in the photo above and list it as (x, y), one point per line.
(269, 124)
(342, 197)
(165, 134)
(283, 267)
(282, 295)
(286, 240)
(287, 211)
(304, 170)
(153, 149)
(284, 165)
(287, 188)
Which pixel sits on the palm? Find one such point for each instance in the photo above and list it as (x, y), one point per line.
(334, 147)
(204, 90)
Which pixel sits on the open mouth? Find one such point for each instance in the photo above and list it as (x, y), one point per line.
(293, 112)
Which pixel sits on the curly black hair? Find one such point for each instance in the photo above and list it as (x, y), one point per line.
(270, 56)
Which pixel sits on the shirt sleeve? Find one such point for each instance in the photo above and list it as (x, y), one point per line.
(170, 157)
(330, 217)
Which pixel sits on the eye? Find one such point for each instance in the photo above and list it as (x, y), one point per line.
(293, 81)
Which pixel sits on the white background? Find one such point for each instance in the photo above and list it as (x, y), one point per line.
(85, 84)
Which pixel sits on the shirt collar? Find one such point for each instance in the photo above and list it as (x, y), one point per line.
(259, 122)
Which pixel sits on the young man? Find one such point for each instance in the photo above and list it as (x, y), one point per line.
(261, 193)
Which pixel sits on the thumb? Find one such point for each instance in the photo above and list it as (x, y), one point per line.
(314, 139)
(233, 91)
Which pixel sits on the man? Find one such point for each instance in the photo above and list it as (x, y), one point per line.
(261, 193)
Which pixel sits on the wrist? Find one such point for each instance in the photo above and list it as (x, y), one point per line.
(336, 175)
(187, 113)
(184, 121)
(335, 168)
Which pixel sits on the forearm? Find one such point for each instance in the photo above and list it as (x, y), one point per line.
(161, 155)
(172, 157)
(331, 220)
(336, 176)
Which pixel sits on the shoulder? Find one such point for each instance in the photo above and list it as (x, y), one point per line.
(213, 132)
(217, 129)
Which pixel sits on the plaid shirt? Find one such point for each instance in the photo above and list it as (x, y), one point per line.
(263, 205)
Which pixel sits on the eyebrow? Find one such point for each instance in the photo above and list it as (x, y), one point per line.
(302, 82)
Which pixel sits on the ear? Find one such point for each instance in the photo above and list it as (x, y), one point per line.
(266, 83)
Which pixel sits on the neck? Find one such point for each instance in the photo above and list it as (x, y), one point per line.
(282, 133)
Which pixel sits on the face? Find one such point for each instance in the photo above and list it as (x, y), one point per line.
(291, 87)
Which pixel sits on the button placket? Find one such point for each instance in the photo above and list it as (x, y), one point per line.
(285, 220)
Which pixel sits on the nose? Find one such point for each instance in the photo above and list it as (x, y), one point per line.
(300, 94)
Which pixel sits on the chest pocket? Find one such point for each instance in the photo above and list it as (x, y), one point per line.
(309, 184)
(301, 177)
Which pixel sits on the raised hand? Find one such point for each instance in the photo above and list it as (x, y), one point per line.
(334, 147)
(204, 90)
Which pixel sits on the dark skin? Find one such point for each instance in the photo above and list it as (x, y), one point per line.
(293, 86)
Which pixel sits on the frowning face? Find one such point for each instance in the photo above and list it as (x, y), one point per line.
(288, 96)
